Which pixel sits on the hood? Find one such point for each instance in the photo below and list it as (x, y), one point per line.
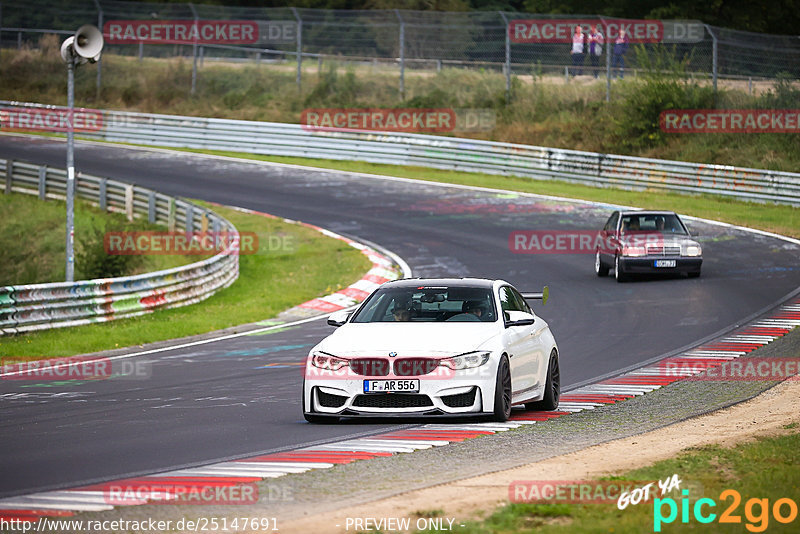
(408, 339)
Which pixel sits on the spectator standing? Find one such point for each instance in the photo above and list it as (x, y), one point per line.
(578, 50)
(620, 47)
(595, 40)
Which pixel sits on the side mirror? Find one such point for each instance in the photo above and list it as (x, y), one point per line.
(338, 318)
(519, 318)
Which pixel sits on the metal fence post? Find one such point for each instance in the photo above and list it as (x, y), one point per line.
(1, 35)
(194, 48)
(608, 68)
(402, 54)
(508, 57)
(299, 49)
(141, 50)
(99, 61)
(714, 57)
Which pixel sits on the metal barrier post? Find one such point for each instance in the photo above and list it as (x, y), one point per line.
(188, 224)
(402, 54)
(9, 171)
(103, 200)
(151, 207)
(141, 50)
(42, 182)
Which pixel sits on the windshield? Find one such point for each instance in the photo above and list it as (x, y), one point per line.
(664, 223)
(428, 304)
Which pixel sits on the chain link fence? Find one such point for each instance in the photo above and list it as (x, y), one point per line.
(402, 39)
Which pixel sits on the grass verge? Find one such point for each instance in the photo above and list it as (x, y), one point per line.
(305, 265)
(766, 469)
(32, 240)
(780, 219)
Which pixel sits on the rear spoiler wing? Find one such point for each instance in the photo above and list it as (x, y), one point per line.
(543, 296)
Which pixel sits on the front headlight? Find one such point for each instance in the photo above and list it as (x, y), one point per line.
(327, 362)
(466, 361)
(633, 251)
(692, 250)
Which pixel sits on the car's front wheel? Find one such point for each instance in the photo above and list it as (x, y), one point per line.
(599, 267)
(502, 391)
(618, 274)
(314, 418)
(552, 388)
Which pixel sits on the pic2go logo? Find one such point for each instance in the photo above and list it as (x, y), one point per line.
(756, 511)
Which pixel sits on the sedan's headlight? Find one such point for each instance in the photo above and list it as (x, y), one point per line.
(466, 361)
(630, 250)
(692, 250)
(327, 362)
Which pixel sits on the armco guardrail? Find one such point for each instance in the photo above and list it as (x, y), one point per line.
(602, 170)
(26, 308)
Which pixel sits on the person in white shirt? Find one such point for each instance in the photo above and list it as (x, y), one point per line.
(578, 48)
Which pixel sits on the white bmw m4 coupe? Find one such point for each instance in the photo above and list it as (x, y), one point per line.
(427, 347)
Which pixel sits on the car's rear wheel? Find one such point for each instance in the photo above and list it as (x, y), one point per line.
(618, 274)
(502, 391)
(552, 388)
(599, 267)
(693, 274)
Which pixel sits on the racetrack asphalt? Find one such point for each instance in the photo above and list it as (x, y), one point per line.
(217, 401)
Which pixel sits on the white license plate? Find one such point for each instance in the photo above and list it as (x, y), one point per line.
(391, 386)
(665, 263)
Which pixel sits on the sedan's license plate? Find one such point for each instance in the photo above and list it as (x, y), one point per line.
(665, 263)
(391, 386)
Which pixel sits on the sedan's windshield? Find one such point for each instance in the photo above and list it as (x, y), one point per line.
(428, 304)
(664, 223)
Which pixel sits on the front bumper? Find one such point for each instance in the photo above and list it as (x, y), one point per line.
(436, 396)
(646, 264)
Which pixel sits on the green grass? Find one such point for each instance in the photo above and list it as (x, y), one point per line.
(269, 282)
(32, 238)
(768, 468)
(781, 219)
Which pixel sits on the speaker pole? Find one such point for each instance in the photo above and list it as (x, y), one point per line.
(70, 267)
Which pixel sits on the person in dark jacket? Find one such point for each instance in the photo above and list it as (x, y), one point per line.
(620, 47)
